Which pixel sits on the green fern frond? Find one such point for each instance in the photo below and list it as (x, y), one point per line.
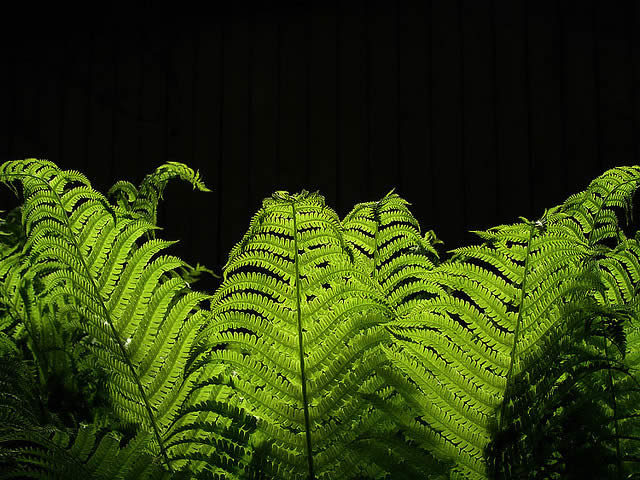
(401, 451)
(616, 336)
(26, 446)
(85, 251)
(19, 403)
(297, 329)
(626, 421)
(192, 274)
(580, 358)
(506, 303)
(223, 433)
(32, 325)
(143, 202)
(560, 421)
(388, 244)
(594, 209)
(611, 331)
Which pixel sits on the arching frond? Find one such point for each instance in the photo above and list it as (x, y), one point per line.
(139, 311)
(388, 244)
(505, 310)
(143, 202)
(297, 329)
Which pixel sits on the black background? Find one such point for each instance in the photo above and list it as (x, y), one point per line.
(476, 111)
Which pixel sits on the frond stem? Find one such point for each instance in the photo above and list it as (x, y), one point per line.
(305, 402)
(518, 322)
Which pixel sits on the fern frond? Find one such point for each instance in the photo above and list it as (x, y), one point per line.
(620, 269)
(19, 403)
(221, 431)
(13, 268)
(506, 304)
(85, 251)
(31, 324)
(594, 208)
(297, 328)
(388, 244)
(581, 358)
(614, 388)
(143, 202)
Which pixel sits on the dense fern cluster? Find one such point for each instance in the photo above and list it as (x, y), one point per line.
(333, 349)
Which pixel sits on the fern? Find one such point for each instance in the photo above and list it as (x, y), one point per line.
(12, 270)
(503, 311)
(142, 202)
(388, 242)
(331, 350)
(49, 455)
(19, 402)
(301, 327)
(32, 446)
(30, 323)
(602, 415)
(83, 249)
(619, 342)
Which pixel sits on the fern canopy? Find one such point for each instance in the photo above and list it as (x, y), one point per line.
(332, 350)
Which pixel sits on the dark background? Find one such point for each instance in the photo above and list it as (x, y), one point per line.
(477, 111)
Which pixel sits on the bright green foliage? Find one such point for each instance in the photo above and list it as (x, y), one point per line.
(387, 240)
(571, 413)
(39, 445)
(51, 456)
(143, 202)
(302, 327)
(333, 349)
(12, 271)
(142, 328)
(503, 316)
